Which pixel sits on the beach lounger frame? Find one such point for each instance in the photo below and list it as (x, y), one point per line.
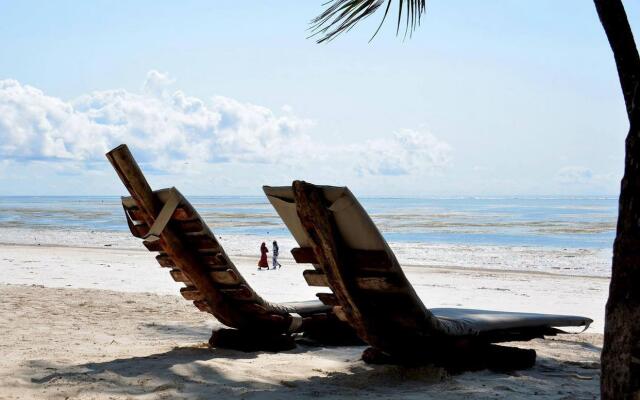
(170, 226)
(370, 291)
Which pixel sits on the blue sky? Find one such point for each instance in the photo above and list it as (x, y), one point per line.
(486, 98)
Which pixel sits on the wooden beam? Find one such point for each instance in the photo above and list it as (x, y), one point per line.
(214, 260)
(315, 278)
(242, 292)
(178, 276)
(152, 246)
(369, 259)
(131, 176)
(339, 312)
(372, 259)
(202, 242)
(226, 277)
(139, 230)
(378, 283)
(328, 299)
(182, 214)
(325, 242)
(192, 293)
(363, 280)
(165, 261)
(304, 255)
(203, 306)
(191, 226)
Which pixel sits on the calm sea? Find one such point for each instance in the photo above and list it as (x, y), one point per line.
(584, 222)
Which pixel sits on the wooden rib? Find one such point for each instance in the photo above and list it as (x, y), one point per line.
(315, 278)
(202, 306)
(226, 277)
(191, 226)
(241, 292)
(202, 242)
(152, 246)
(165, 261)
(339, 312)
(329, 251)
(377, 283)
(214, 260)
(370, 259)
(252, 308)
(136, 214)
(179, 276)
(191, 293)
(139, 230)
(182, 214)
(304, 255)
(328, 299)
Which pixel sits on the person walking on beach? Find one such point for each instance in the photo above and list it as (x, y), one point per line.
(274, 255)
(263, 263)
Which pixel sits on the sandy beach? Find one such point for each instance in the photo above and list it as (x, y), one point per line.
(106, 323)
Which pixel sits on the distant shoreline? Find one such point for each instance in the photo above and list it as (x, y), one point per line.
(247, 259)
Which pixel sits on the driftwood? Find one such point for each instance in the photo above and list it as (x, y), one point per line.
(195, 258)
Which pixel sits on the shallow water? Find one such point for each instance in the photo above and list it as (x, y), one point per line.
(585, 222)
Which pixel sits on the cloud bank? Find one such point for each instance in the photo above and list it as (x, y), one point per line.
(167, 128)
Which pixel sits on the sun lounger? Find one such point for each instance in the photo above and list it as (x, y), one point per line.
(171, 227)
(370, 290)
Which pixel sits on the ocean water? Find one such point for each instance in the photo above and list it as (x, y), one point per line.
(554, 222)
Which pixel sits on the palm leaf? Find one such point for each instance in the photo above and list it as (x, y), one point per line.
(342, 15)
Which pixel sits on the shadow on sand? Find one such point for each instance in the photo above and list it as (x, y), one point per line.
(200, 372)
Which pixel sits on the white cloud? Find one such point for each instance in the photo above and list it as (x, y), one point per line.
(34, 126)
(406, 152)
(573, 175)
(156, 83)
(167, 130)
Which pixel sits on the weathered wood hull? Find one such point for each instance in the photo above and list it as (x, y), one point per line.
(188, 248)
(371, 292)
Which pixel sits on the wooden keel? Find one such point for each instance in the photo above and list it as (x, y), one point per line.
(370, 291)
(328, 251)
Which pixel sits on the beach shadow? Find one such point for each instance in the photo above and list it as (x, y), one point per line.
(584, 345)
(154, 364)
(199, 372)
(180, 330)
(192, 372)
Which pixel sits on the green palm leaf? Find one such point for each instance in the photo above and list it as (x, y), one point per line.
(342, 15)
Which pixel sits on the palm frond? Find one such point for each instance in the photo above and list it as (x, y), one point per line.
(342, 15)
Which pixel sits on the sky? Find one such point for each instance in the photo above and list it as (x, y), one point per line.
(495, 97)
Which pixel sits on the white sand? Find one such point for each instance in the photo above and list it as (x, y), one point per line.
(103, 323)
(572, 261)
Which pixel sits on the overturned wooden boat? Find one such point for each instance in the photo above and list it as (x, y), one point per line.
(171, 227)
(371, 292)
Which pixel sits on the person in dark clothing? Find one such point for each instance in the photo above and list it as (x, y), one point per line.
(274, 255)
(263, 263)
